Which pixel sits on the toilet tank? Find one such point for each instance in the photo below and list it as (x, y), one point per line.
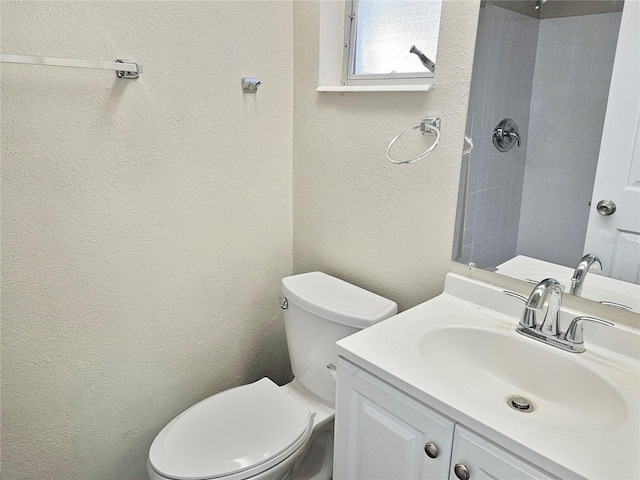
(321, 310)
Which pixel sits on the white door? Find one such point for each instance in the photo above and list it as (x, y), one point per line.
(616, 238)
(382, 434)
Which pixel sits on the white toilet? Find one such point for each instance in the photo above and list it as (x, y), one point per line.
(264, 432)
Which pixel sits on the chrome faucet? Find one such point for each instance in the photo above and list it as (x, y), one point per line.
(549, 293)
(580, 272)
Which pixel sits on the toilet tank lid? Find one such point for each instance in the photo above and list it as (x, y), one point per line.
(336, 300)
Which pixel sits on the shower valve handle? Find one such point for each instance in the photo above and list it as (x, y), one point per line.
(514, 135)
(506, 129)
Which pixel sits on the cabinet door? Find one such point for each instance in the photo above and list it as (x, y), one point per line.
(381, 432)
(486, 461)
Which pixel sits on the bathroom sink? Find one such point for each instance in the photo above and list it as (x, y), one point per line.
(491, 366)
(460, 354)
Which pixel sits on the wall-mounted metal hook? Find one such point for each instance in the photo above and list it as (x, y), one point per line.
(250, 84)
(428, 64)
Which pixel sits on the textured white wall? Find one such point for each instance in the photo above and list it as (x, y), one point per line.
(388, 228)
(146, 224)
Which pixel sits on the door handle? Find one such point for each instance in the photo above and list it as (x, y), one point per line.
(606, 207)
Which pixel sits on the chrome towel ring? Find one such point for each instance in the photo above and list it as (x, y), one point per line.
(428, 126)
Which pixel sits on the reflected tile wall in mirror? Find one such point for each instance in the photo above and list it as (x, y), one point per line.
(552, 77)
(501, 87)
(573, 69)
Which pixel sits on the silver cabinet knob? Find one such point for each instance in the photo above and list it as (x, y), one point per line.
(606, 207)
(461, 472)
(431, 450)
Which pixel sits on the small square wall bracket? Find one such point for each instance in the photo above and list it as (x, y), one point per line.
(250, 84)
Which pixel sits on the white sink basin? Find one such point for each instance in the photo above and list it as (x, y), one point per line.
(492, 366)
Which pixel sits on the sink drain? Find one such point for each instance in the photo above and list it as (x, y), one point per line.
(520, 404)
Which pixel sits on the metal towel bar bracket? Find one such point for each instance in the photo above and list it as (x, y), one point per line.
(428, 126)
(124, 68)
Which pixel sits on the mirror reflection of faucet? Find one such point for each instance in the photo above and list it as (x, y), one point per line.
(580, 273)
(598, 287)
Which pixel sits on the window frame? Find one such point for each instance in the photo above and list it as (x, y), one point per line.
(353, 79)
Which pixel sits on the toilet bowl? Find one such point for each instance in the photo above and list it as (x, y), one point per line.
(261, 431)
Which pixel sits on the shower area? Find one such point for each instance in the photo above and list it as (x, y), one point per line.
(548, 69)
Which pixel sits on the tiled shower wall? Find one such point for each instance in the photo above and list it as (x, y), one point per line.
(501, 87)
(570, 88)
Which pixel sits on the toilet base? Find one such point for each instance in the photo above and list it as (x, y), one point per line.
(316, 462)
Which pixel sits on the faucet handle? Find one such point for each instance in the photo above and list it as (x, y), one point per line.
(575, 334)
(514, 135)
(515, 295)
(616, 305)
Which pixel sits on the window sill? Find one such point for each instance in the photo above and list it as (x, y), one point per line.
(374, 88)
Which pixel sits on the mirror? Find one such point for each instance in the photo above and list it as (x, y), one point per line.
(537, 108)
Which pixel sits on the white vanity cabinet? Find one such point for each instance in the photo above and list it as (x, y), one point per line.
(484, 460)
(384, 434)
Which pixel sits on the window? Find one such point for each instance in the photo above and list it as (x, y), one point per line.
(378, 36)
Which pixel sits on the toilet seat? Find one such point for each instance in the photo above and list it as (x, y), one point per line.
(233, 435)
